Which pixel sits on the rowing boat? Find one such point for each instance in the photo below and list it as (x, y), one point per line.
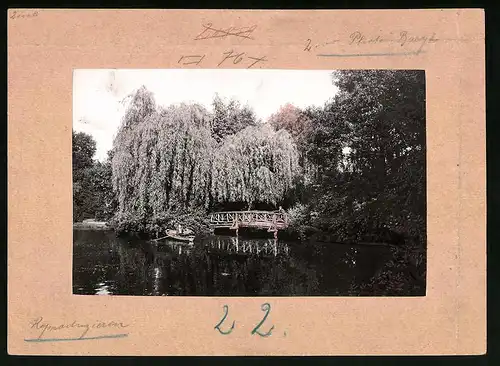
(173, 234)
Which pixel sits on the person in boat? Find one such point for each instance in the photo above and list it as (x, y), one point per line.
(183, 231)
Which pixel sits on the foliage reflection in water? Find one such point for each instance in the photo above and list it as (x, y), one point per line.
(105, 264)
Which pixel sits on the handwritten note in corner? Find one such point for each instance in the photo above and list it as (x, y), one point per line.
(23, 14)
(46, 331)
(401, 43)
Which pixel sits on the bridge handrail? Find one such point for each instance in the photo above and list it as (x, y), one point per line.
(250, 211)
(239, 214)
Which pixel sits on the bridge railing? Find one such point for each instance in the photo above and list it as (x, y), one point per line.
(248, 217)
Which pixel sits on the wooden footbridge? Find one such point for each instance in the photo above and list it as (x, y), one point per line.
(270, 220)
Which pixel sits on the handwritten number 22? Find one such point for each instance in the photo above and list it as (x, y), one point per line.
(265, 307)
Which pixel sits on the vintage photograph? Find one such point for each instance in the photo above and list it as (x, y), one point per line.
(237, 182)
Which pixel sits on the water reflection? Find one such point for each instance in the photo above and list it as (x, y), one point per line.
(261, 247)
(102, 289)
(217, 266)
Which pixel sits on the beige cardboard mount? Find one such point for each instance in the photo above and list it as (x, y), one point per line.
(46, 45)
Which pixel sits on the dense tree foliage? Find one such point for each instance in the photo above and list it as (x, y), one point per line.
(257, 164)
(291, 119)
(378, 117)
(84, 148)
(367, 149)
(229, 117)
(183, 158)
(162, 162)
(93, 196)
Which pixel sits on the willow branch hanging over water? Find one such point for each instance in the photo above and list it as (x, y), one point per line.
(255, 165)
(173, 160)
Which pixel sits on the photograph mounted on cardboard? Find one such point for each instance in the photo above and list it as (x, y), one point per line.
(249, 182)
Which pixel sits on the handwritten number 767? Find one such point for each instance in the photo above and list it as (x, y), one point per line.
(265, 307)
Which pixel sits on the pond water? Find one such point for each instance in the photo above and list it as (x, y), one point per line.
(104, 264)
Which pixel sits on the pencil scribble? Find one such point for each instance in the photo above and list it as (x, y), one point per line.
(407, 44)
(19, 14)
(211, 32)
(191, 59)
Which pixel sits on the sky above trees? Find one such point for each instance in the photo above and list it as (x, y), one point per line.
(100, 97)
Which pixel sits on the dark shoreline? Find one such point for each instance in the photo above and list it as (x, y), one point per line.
(98, 226)
(94, 225)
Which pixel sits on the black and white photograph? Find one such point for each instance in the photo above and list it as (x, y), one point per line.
(249, 182)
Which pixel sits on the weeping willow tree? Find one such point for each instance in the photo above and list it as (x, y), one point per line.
(258, 164)
(161, 159)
